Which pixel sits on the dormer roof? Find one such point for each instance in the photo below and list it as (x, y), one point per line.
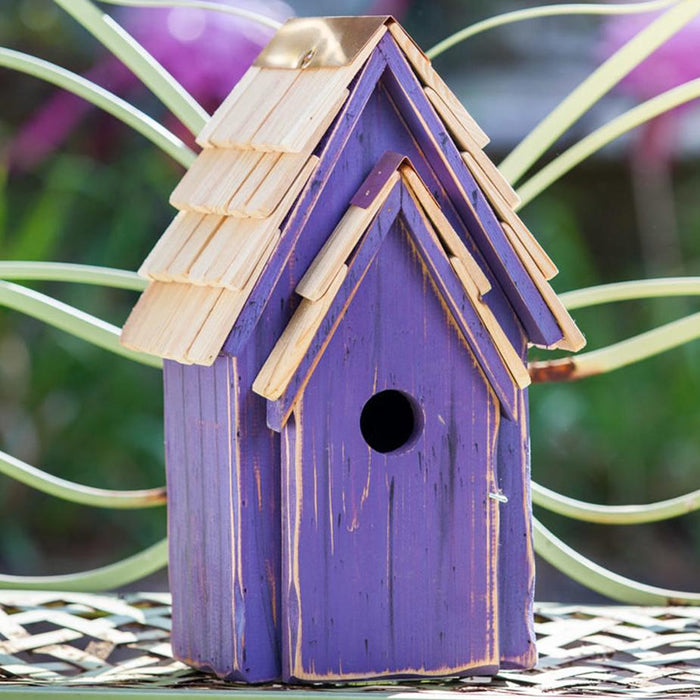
(260, 151)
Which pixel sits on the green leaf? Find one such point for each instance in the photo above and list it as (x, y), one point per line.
(599, 579)
(597, 84)
(102, 98)
(202, 5)
(137, 59)
(69, 319)
(556, 10)
(614, 515)
(604, 135)
(71, 272)
(634, 289)
(104, 578)
(78, 493)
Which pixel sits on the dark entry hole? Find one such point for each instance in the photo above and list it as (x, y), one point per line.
(388, 421)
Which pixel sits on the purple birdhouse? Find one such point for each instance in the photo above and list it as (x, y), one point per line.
(344, 303)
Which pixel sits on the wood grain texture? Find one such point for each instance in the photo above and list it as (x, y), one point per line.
(486, 173)
(232, 253)
(572, 338)
(443, 156)
(306, 209)
(449, 237)
(379, 549)
(220, 116)
(368, 126)
(468, 321)
(294, 342)
(356, 524)
(280, 189)
(429, 77)
(323, 270)
(280, 410)
(516, 367)
(516, 551)
(185, 322)
(458, 309)
(507, 214)
(223, 524)
(178, 268)
(313, 101)
(188, 311)
(205, 342)
(155, 266)
(257, 99)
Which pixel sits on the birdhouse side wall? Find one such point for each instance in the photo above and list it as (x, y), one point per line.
(223, 522)
(517, 557)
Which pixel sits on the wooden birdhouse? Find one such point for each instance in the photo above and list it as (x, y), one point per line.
(344, 303)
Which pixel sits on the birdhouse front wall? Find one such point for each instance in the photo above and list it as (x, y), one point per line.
(389, 534)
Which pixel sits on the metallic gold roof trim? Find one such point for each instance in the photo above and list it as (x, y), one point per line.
(319, 42)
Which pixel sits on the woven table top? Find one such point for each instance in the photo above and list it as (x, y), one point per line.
(69, 644)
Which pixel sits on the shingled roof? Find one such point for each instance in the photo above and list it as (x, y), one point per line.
(256, 161)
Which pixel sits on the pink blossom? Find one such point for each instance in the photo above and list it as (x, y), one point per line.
(206, 51)
(675, 62)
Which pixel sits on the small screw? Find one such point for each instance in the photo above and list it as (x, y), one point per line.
(498, 497)
(306, 59)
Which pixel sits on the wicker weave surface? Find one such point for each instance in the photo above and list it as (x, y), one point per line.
(77, 640)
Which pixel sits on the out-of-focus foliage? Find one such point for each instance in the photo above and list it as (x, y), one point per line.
(101, 198)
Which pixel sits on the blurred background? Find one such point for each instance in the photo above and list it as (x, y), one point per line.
(78, 186)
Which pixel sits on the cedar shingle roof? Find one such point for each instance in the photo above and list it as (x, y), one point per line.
(257, 158)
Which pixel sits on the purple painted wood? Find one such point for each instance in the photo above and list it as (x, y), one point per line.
(278, 411)
(223, 522)
(462, 310)
(233, 626)
(386, 166)
(457, 304)
(334, 147)
(390, 559)
(516, 551)
(367, 127)
(439, 148)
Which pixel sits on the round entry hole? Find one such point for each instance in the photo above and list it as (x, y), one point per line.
(389, 421)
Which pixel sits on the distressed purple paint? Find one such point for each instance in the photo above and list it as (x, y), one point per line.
(297, 551)
(388, 565)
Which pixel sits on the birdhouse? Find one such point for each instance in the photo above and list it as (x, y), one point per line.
(344, 303)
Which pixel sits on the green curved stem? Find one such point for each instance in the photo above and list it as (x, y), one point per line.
(71, 272)
(78, 493)
(70, 320)
(599, 579)
(639, 347)
(202, 5)
(626, 352)
(540, 12)
(614, 515)
(105, 578)
(604, 135)
(138, 60)
(634, 289)
(597, 84)
(137, 120)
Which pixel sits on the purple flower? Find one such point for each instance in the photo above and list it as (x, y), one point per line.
(675, 62)
(654, 144)
(206, 51)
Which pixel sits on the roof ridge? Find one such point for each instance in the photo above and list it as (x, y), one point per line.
(243, 185)
(327, 272)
